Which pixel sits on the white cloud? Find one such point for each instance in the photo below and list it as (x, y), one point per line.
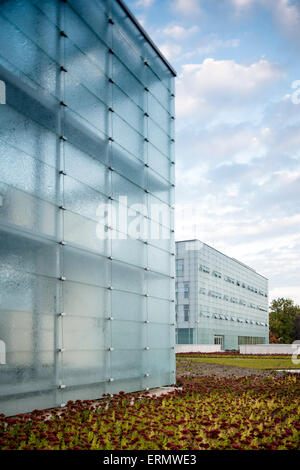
(170, 50)
(291, 292)
(179, 32)
(212, 83)
(285, 12)
(187, 7)
(212, 43)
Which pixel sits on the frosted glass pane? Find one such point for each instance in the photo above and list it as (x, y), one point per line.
(128, 335)
(83, 200)
(159, 336)
(94, 14)
(24, 134)
(158, 113)
(84, 333)
(159, 236)
(86, 366)
(85, 104)
(85, 38)
(131, 251)
(159, 211)
(159, 91)
(27, 57)
(159, 311)
(126, 364)
(128, 83)
(85, 137)
(86, 71)
(126, 385)
(159, 187)
(127, 53)
(26, 292)
(127, 137)
(25, 403)
(159, 260)
(121, 187)
(160, 361)
(127, 278)
(35, 178)
(84, 267)
(85, 300)
(91, 392)
(158, 162)
(134, 306)
(18, 253)
(127, 165)
(85, 233)
(128, 110)
(86, 169)
(158, 137)
(158, 286)
(34, 25)
(23, 210)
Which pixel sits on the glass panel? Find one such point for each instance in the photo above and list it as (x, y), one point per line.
(128, 335)
(158, 137)
(158, 113)
(127, 278)
(127, 165)
(158, 162)
(128, 83)
(84, 300)
(127, 137)
(158, 260)
(86, 233)
(18, 253)
(84, 267)
(159, 311)
(127, 364)
(128, 110)
(134, 305)
(19, 133)
(23, 210)
(25, 56)
(158, 286)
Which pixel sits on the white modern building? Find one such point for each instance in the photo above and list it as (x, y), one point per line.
(219, 300)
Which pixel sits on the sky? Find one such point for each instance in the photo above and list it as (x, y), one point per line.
(237, 127)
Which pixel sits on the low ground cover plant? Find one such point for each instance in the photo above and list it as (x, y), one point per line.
(256, 412)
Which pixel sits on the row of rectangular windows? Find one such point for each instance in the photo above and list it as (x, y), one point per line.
(220, 316)
(205, 269)
(234, 300)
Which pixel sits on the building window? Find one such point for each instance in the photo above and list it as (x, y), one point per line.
(229, 279)
(186, 290)
(250, 340)
(202, 290)
(204, 269)
(217, 274)
(186, 312)
(179, 267)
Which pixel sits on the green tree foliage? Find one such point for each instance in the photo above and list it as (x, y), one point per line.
(284, 320)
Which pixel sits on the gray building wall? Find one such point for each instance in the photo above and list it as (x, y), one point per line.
(217, 296)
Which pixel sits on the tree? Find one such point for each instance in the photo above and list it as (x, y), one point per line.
(284, 320)
(273, 338)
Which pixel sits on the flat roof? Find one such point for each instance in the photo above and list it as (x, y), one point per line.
(233, 259)
(146, 36)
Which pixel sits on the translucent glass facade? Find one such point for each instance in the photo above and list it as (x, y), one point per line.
(218, 299)
(87, 260)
